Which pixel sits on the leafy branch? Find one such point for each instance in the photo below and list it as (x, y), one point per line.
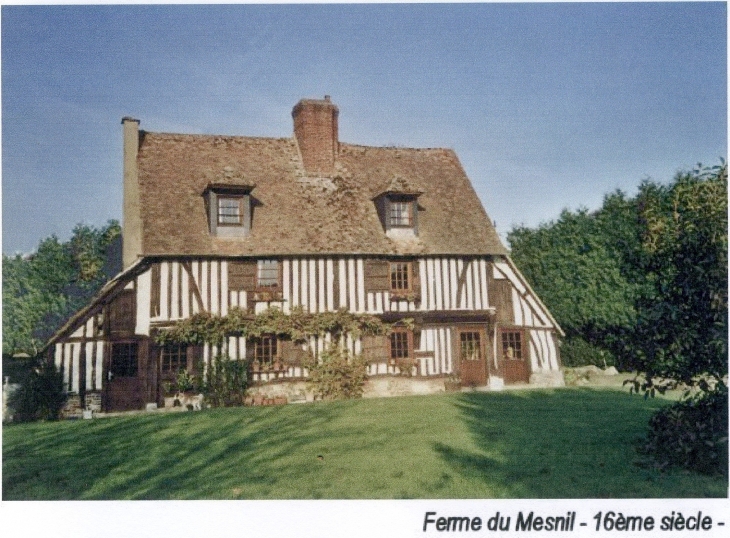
(298, 326)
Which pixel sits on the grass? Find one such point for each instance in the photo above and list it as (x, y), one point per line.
(568, 443)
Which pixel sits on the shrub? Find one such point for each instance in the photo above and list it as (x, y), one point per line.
(337, 375)
(226, 381)
(692, 433)
(186, 382)
(40, 395)
(575, 351)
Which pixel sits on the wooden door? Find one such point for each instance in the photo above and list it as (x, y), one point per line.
(471, 351)
(124, 382)
(514, 356)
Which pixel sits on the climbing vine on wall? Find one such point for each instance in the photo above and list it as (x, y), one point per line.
(208, 328)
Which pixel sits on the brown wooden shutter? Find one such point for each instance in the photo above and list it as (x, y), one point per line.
(242, 275)
(250, 350)
(500, 297)
(122, 313)
(416, 279)
(195, 364)
(291, 353)
(375, 348)
(377, 275)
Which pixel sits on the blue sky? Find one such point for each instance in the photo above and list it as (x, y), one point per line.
(547, 105)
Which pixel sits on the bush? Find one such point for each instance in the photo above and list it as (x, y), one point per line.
(186, 382)
(226, 381)
(40, 395)
(575, 351)
(692, 434)
(337, 375)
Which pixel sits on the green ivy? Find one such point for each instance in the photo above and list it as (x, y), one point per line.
(337, 375)
(226, 381)
(206, 328)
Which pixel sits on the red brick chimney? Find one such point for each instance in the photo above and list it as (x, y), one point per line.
(315, 128)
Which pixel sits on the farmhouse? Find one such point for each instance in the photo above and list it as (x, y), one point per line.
(213, 224)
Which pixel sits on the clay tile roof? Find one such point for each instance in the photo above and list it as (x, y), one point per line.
(296, 214)
(401, 185)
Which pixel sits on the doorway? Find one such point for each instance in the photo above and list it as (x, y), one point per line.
(124, 384)
(471, 349)
(513, 355)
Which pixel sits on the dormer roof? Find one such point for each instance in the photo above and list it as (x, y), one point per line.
(400, 186)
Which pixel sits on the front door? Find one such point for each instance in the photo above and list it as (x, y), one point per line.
(472, 357)
(514, 356)
(124, 383)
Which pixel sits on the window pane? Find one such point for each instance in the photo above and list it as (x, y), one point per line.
(229, 210)
(265, 349)
(399, 345)
(124, 360)
(268, 274)
(174, 358)
(400, 213)
(512, 345)
(471, 349)
(399, 273)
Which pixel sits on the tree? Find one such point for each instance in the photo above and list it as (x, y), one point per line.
(646, 277)
(682, 327)
(576, 267)
(42, 290)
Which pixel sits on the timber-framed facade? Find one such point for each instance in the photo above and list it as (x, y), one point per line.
(213, 223)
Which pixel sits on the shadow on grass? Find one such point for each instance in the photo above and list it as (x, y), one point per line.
(564, 444)
(515, 444)
(218, 456)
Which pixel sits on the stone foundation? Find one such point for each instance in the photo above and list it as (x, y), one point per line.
(375, 387)
(547, 379)
(378, 387)
(293, 391)
(73, 408)
(93, 401)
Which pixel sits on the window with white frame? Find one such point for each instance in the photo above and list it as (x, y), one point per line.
(267, 274)
(400, 213)
(230, 211)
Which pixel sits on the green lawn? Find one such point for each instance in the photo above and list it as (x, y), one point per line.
(567, 443)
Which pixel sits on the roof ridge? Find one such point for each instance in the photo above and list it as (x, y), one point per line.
(204, 135)
(397, 148)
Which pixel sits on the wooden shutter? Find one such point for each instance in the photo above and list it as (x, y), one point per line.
(122, 313)
(291, 353)
(242, 275)
(415, 279)
(377, 275)
(500, 297)
(375, 348)
(195, 363)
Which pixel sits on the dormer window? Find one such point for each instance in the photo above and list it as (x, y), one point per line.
(398, 208)
(401, 212)
(229, 209)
